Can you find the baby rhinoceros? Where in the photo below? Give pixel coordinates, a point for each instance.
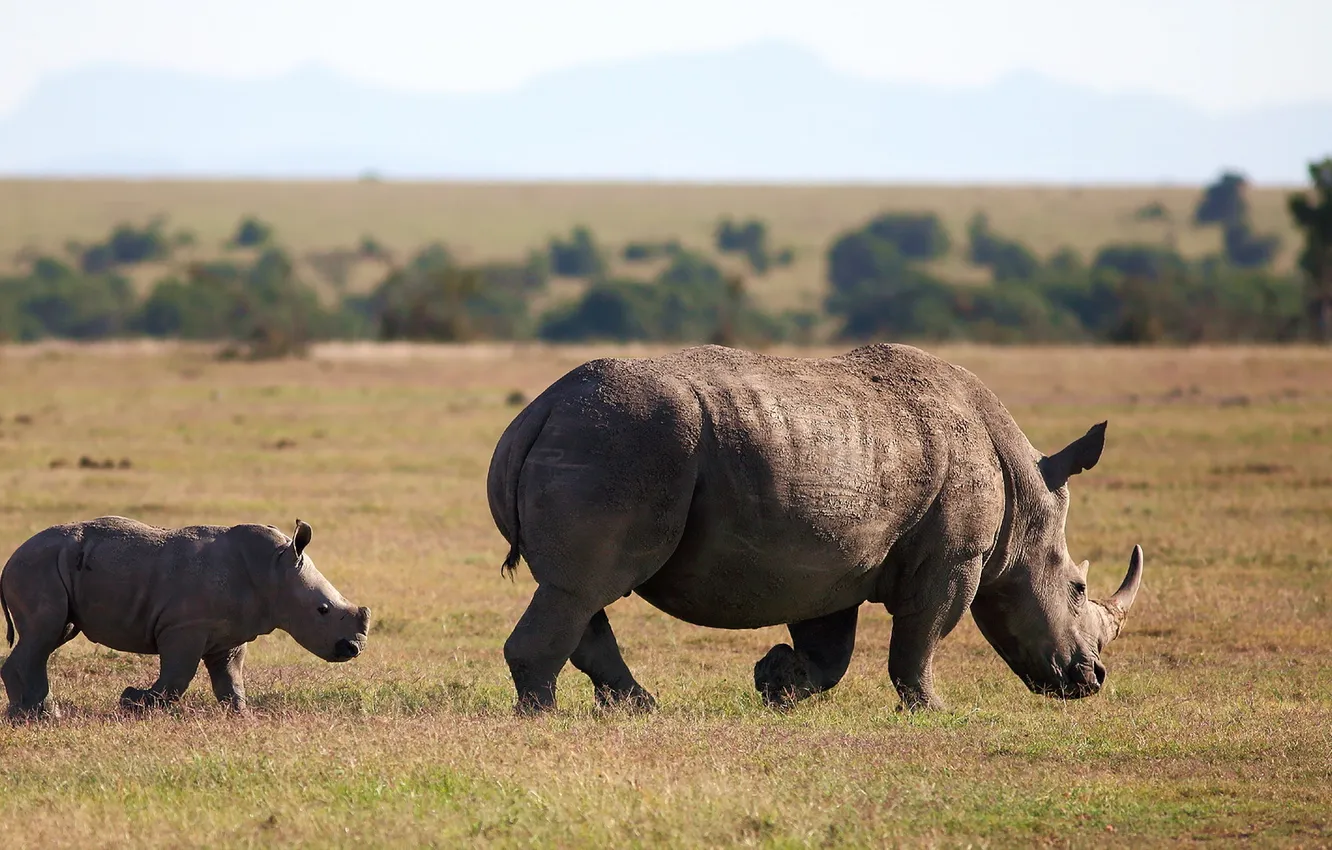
(201, 592)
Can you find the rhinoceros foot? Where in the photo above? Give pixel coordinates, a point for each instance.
(534, 704)
(138, 700)
(914, 701)
(45, 711)
(636, 699)
(782, 677)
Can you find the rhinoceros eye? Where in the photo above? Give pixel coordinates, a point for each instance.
(1079, 592)
(323, 609)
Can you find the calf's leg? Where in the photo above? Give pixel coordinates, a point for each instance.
(225, 669)
(816, 663)
(41, 618)
(180, 653)
(598, 655)
(27, 683)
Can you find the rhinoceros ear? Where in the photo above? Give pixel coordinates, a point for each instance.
(301, 538)
(1078, 456)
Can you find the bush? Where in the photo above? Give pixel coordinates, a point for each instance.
(640, 250)
(251, 233)
(1019, 313)
(436, 299)
(130, 245)
(578, 256)
(917, 236)
(614, 311)
(739, 238)
(1247, 250)
(1139, 260)
(688, 300)
(53, 300)
(860, 259)
(876, 290)
(1007, 259)
(127, 245)
(186, 310)
(751, 239)
(262, 307)
(1223, 201)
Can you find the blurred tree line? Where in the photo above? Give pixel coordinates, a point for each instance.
(879, 275)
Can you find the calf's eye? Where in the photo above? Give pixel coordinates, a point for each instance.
(323, 609)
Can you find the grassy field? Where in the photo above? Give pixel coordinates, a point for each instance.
(482, 221)
(1215, 725)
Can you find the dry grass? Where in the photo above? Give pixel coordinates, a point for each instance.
(484, 221)
(1216, 723)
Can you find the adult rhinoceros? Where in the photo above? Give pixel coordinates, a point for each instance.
(737, 490)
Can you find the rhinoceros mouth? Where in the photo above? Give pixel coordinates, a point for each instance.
(1086, 680)
(346, 650)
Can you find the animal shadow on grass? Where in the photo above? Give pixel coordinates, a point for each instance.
(106, 713)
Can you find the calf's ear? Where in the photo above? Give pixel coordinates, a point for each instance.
(301, 538)
(1078, 456)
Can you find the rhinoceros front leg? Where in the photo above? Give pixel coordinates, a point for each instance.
(917, 632)
(225, 669)
(598, 655)
(180, 654)
(816, 663)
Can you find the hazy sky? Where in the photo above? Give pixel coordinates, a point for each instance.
(1216, 54)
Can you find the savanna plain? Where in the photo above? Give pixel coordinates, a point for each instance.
(1215, 724)
(501, 221)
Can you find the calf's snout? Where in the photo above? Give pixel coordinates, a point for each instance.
(345, 650)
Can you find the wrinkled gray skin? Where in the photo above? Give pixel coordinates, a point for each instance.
(186, 594)
(736, 490)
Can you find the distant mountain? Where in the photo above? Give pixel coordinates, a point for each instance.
(761, 113)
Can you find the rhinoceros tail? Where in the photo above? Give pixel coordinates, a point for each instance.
(510, 564)
(506, 468)
(9, 621)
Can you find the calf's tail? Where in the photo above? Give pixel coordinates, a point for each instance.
(506, 468)
(9, 621)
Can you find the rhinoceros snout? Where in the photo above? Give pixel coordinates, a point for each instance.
(1086, 679)
(1082, 679)
(1099, 670)
(346, 650)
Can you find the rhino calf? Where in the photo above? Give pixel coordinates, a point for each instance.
(186, 594)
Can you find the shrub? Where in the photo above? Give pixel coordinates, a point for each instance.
(578, 256)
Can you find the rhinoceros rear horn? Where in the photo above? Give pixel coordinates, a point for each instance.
(1118, 605)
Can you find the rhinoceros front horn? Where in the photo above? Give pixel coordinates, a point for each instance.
(1117, 606)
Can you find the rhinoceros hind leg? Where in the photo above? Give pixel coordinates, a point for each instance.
(27, 682)
(816, 663)
(598, 655)
(546, 635)
(180, 655)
